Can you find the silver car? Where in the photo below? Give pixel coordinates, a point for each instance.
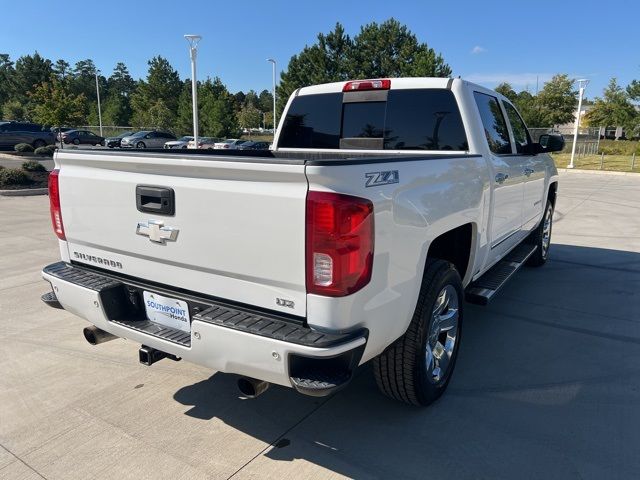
(230, 144)
(147, 139)
(179, 143)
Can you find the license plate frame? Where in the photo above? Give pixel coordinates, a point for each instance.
(167, 311)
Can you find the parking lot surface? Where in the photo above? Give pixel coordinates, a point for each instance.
(547, 383)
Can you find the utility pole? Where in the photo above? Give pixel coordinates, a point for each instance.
(582, 83)
(99, 109)
(193, 51)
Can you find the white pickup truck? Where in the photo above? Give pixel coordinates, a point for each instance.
(383, 205)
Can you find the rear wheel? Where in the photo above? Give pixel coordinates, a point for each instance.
(39, 143)
(541, 237)
(417, 367)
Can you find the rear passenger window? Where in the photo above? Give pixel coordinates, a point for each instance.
(520, 132)
(423, 120)
(495, 126)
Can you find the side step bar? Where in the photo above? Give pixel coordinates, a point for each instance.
(484, 288)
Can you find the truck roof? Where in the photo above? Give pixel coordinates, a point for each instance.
(396, 84)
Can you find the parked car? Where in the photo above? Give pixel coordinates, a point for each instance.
(360, 237)
(230, 144)
(81, 137)
(36, 135)
(182, 142)
(114, 142)
(147, 139)
(204, 143)
(250, 145)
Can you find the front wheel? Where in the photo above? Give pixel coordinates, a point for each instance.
(76, 141)
(140, 145)
(541, 237)
(417, 367)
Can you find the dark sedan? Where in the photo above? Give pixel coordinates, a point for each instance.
(78, 137)
(114, 142)
(254, 146)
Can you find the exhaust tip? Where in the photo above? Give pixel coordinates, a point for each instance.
(251, 387)
(95, 336)
(89, 335)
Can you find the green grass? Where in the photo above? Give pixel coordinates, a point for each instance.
(619, 163)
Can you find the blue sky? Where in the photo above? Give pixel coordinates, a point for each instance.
(483, 41)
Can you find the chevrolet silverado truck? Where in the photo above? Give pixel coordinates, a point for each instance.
(383, 206)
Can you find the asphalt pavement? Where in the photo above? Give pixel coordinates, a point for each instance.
(547, 383)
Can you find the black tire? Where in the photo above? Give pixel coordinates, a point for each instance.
(39, 143)
(140, 145)
(402, 371)
(537, 237)
(76, 141)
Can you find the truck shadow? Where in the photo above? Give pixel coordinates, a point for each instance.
(546, 372)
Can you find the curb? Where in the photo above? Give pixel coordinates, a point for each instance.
(595, 172)
(25, 192)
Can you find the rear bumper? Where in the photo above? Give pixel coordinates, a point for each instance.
(224, 337)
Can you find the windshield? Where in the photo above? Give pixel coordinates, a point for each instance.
(185, 139)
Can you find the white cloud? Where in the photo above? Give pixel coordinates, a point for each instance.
(478, 49)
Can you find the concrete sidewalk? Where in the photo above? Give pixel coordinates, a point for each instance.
(547, 383)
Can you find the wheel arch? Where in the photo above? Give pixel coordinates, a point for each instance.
(456, 246)
(552, 192)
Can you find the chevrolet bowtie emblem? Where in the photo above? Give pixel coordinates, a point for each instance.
(156, 231)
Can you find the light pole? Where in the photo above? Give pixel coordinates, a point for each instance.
(99, 109)
(275, 122)
(193, 50)
(582, 83)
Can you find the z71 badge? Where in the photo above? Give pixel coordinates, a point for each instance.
(375, 179)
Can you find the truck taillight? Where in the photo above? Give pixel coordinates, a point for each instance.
(360, 85)
(339, 243)
(54, 204)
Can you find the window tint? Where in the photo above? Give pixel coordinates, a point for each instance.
(363, 120)
(416, 119)
(520, 132)
(423, 119)
(313, 121)
(495, 126)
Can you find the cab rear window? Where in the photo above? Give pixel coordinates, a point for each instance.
(415, 119)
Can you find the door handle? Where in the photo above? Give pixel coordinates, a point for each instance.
(528, 171)
(501, 177)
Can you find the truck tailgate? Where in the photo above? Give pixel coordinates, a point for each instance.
(240, 225)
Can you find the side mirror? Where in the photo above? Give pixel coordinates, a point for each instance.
(148, 135)
(549, 142)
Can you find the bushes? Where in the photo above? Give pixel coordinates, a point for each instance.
(619, 147)
(13, 176)
(33, 166)
(23, 148)
(46, 151)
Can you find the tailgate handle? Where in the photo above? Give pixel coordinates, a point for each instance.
(153, 199)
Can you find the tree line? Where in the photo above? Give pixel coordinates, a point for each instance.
(36, 89)
(557, 104)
